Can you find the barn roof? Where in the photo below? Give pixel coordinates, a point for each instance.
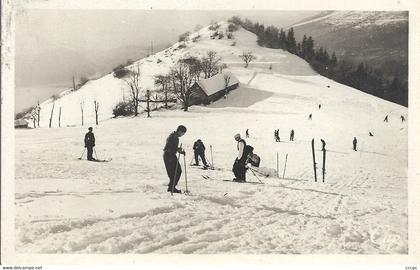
(21, 122)
(216, 83)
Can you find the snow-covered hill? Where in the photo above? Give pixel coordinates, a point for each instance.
(64, 205)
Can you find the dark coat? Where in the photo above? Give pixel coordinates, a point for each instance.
(171, 146)
(89, 139)
(199, 147)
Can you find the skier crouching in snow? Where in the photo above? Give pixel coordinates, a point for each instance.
(173, 168)
(199, 150)
(239, 169)
(89, 143)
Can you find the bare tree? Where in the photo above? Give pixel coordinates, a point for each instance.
(210, 64)
(74, 85)
(133, 81)
(148, 102)
(38, 112)
(82, 107)
(247, 57)
(34, 116)
(96, 110)
(59, 118)
(164, 81)
(226, 78)
(52, 112)
(183, 76)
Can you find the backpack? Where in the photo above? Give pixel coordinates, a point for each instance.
(248, 150)
(254, 159)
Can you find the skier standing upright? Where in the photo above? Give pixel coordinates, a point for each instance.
(247, 133)
(90, 143)
(386, 119)
(355, 144)
(402, 118)
(239, 169)
(292, 135)
(173, 168)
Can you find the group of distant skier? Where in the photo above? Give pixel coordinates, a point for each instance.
(277, 135)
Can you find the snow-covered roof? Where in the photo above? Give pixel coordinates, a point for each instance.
(20, 122)
(216, 83)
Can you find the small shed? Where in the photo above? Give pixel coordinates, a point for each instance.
(213, 88)
(21, 123)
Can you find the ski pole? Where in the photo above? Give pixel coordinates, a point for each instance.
(211, 154)
(256, 175)
(185, 174)
(285, 163)
(84, 149)
(176, 170)
(95, 153)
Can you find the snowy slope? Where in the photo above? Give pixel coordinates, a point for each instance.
(64, 205)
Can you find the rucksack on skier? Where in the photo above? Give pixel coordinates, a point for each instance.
(252, 158)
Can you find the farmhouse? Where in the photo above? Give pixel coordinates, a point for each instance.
(21, 123)
(212, 89)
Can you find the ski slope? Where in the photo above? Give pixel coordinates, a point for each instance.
(66, 205)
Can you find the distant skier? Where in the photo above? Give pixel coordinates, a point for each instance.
(355, 144)
(319, 106)
(199, 150)
(276, 135)
(90, 143)
(310, 117)
(402, 118)
(173, 168)
(292, 135)
(370, 134)
(247, 133)
(386, 119)
(238, 168)
(323, 145)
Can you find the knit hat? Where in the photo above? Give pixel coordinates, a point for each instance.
(237, 136)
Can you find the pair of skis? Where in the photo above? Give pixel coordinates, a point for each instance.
(323, 159)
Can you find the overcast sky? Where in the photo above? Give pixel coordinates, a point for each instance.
(87, 30)
(52, 45)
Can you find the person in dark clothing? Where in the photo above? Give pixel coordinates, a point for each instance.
(310, 117)
(199, 150)
(319, 106)
(292, 135)
(402, 118)
(90, 143)
(275, 135)
(370, 134)
(247, 133)
(355, 144)
(173, 168)
(239, 169)
(386, 119)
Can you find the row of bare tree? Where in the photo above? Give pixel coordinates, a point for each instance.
(36, 114)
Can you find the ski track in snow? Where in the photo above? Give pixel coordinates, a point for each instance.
(66, 205)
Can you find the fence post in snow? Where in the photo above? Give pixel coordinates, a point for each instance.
(285, 164)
